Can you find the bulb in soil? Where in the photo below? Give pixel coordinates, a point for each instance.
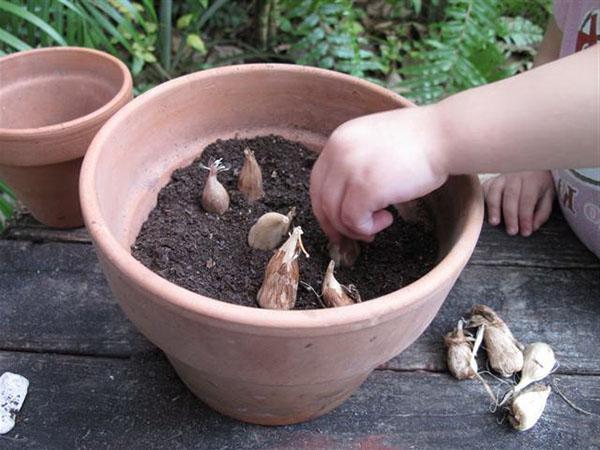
(250, 180)
(269, 229)
(504, 351)
(334, 294)
(460, 359)
(280, 285)
(345, 253)
(527, 407)
(538, 362)
(215, 198)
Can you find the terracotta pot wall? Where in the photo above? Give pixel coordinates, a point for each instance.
(52, 103)
(263, 366)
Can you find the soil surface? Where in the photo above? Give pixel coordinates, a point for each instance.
(209, 254)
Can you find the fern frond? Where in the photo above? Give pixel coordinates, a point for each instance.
(520, 33)
(464, 49)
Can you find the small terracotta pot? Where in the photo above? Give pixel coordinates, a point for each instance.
(52, 103)
(262, 366)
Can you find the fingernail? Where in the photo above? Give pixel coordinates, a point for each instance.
(511, 230)
(494, 220)
(526, 233)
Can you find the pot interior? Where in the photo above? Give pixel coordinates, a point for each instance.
(42, 88)
(168, 127)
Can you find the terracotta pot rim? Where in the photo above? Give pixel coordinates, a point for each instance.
(372, 311)
(95, 116)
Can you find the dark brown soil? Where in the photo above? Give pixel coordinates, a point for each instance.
(209, 254)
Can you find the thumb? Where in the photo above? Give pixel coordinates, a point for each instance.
(360, 218)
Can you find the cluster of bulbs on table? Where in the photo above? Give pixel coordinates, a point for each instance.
(526, 400)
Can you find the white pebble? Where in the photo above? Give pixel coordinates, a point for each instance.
(13, 390)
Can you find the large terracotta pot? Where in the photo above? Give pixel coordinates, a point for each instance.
(52, 103)
(261, 366)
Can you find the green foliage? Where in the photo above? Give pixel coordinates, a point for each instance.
(327, 34)
(519, 39)
(124, 28)
(7, 204)
(535, 11)
(127, 30)
(426, 50)
(472, 46)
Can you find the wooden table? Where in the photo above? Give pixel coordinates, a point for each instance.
(97, 383)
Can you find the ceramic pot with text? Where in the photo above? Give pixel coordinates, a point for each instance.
(52, 103)
(262, 366)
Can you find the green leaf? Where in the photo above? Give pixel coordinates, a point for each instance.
(316, 35)
(330, 9)
(4, 189)
(196, 42)
(184, 21)
(33, 19)
(6, 207)
(327, 63)
(149, 57)
(132, 10)
(122, 22)
(417, 6)
(343, 52)
(137, 66)
(149, 8)
(311, 20)
(285, 25)
(108, 26)
(521, 32)
(13, 41)
(91, 31)
(151, 27)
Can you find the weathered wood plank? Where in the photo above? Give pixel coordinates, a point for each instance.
(35, 234)
(552, 246)
(79, 402)
(24, 227)
(54, 298)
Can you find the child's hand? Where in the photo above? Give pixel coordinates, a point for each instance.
(372, 162)
(525, 199)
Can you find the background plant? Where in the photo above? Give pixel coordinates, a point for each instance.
(141, 33)
(425, 50)
(7, 204)
(327, 34)
(474, 44)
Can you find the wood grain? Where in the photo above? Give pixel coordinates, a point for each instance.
(80, 402)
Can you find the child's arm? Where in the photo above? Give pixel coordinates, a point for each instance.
(524, 199)
(542, 119)
(545, 118)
